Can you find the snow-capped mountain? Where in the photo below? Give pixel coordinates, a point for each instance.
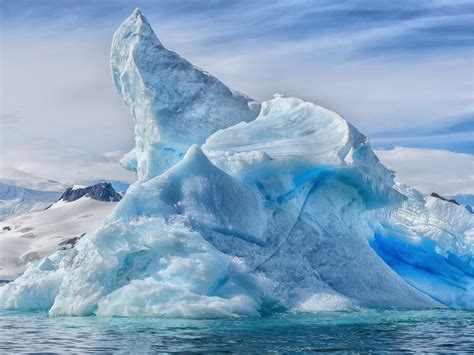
(239, 214)
(35, 235)
(101, 192)
(15, 200)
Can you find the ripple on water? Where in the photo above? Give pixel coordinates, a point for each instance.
(430, 331)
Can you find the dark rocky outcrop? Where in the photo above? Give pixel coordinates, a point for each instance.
(100, 192)
(70, 243)
(434, 194)
(32, 256)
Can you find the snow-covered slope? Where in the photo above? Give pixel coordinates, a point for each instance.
(15, 200)
(292, 210)
(32, 236)
(173, 103)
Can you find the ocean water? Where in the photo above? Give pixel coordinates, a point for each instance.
(365, 330)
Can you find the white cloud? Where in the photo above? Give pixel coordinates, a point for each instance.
(58, 94)
(428, 170)
(59, 83)
(54, 170)
(431, 170)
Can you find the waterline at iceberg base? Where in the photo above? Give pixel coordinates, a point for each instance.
(244, 208)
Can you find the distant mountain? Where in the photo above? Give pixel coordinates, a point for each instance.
(31, 236)
(11, 176)
(101, 192)
(38, 223)
(15, 200)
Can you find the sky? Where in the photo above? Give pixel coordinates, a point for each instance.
(401, 71)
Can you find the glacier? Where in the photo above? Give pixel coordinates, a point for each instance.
(245, 209)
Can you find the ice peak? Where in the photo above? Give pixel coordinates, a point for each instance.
(196, 161)
(138, 17)
(194, 152)
(173, 103)
(137, 25)
(137, 13)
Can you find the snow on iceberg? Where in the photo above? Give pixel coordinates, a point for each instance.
(290, 210)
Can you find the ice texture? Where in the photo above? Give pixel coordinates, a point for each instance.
(289, 211)
(430, 243)
(173, 103)
(148, 259)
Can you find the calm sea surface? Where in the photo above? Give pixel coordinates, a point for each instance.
(429, 331)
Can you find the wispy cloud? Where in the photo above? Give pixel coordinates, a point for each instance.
(401, 71)
(9, 120)
(382, 64)
(50, 169)
(453, 133)
(432, 170)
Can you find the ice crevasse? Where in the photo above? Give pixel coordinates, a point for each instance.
(246, 208)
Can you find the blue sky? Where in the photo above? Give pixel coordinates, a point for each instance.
(400, 71)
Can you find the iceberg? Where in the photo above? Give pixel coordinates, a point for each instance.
(245, 209)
